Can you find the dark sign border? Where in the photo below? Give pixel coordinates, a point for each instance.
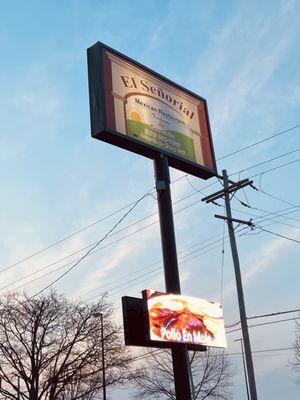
(99, 109)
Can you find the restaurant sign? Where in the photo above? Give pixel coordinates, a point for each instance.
(183, 319)
(137, 109)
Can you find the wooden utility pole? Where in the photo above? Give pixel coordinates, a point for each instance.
(232, 188)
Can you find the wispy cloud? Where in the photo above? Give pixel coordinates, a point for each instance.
(241, 60)
(264, 258)
(122, 253)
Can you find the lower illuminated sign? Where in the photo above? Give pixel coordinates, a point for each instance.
(184, 319)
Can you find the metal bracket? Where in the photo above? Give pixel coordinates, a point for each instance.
(160, 185)
(239, 221)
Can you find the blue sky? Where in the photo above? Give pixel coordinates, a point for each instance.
(243, 57)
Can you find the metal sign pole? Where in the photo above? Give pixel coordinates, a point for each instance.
(238, 278)
(179, 355)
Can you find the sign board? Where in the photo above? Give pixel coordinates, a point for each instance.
(184, 319)
(137, 109)
(135, 323)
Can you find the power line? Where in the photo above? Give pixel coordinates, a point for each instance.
(158, 351)
(265, 323)
(277, 215)
(143, 219)
(156, 269)
(271, 195)
(259, 142)
(274, 168)
(280, 213)
(97, 244)
(267, 350)
(130, 286)
(91, 244)
(65, 265)
(66, 238)
(278, 234)
(274, 322)
(265, 162)
(93, 252)
(274, 314)
(130, 204)
(120, 230)
(101, 248)
(282, 223)
(144, 268)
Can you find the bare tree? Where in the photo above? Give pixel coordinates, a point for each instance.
(50, 348)
(295, 363)
(210, 370)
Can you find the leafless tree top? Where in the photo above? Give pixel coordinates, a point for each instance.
(50, 348)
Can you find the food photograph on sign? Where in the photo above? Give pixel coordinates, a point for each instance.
(152, 111)
(184, 319)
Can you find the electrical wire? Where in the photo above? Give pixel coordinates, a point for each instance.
(131, 286)
(159, 351)
(120, 230)
(70, 263)
(265, 323)
(270, 213)
(65, 238)
(271, 195)
(265, 162)
(278, 234)
(155, 270)
(91, 252)
(259, 142)
(128, 205)
(96, 245)
(275, 168)
(114, 242)
(273, 314)
(203, 188)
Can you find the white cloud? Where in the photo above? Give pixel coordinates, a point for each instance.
(243, 57)
(260, 260)
(122, 253)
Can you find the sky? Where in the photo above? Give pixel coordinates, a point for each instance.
(243, 57)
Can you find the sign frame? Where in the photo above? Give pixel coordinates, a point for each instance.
(101, 110)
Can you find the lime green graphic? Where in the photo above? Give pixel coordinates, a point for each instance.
(174, 142)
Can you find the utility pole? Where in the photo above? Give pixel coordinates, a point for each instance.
(244, 365)
(179, 355)
(193, 392)
(211, 198)
(19, 388)
(100, 315)
(103, 358)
